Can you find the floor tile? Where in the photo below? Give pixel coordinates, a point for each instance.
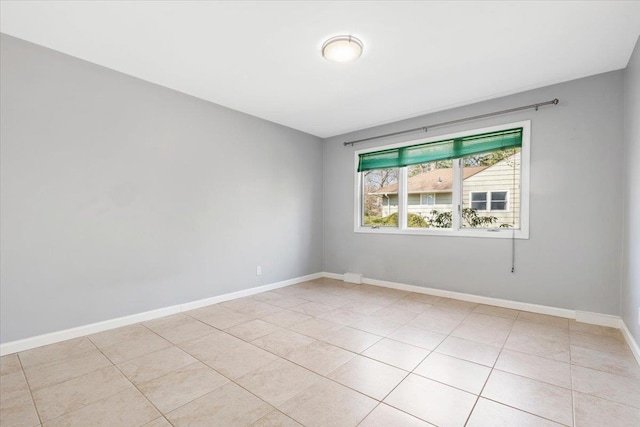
(595, 330)
(326, 403)
(315, 327)
(549, 346)
(54, 352)
(159, 422)
(122, 351)
(386, 416)
(376, 325)
(240, 360)
(16, 406)
(48, 374)
(282, 342)
(469, 350)
(458, 373)
(370, 377)
(535, 367)
(396, 353)
(542, 399)
(396, 314)
(320, 357)
(361, 307)
(207, 347)
(599, 343)
(253, 308)
(9, 364)
(221, 319)
(619, 363)
(592, 411)
(279, 300)
(488, 413)
(226, 406)
(462, 306)
(278, 381)
(18, 414)
(252, 330)
(71, 395)
(125, 409)
(118, 335)
(286, 318)
(485, 329)
(492, 310)
(342, 317)
(431, 401)
(438, 319)
(276, 419)
(535, 329)
(181, 386)
(543, 319)
(154, 365)
(418, 337)
(424, 298)
(411, 305)
(620, 389)
(352, 339)
(187, 331)
(312, 308)
(14, 386)
(326, 299)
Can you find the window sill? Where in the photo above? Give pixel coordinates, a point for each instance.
(485, 233)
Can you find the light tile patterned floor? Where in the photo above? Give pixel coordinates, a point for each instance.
(328, 353)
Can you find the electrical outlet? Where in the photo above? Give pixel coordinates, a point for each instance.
(259, 270)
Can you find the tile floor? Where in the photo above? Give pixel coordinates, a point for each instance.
(328, 353)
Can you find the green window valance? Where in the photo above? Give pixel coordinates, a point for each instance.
(441, 150)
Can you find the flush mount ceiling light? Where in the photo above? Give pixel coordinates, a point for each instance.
(342, 49)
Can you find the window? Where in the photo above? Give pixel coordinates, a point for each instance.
(463, 184)
(428, 199)
(489, 201)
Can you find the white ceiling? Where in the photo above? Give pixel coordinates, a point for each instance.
(263, 58)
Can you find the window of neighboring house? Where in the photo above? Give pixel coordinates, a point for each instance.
(428, 199)
(474, 181)
(488, 200)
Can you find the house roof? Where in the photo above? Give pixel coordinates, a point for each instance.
(434, 181)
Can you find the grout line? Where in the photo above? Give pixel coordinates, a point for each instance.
(26, 380)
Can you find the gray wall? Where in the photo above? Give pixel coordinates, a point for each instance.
(573, 257)
(120, 196)
(630, 295)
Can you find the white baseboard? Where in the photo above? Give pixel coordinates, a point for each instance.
(333, 275)
(633, 345)
(54, 337)
(580, 316)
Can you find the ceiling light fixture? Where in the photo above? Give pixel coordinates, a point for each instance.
(342, 49)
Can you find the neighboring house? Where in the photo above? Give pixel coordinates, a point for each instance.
(488, 189)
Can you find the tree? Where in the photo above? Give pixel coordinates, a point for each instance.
(470, 218)
(374, 180)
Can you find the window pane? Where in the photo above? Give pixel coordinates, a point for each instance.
(428, 199)
(491, 190)
(433, 182)
(380, 198)
(498, 196)
(481, 206)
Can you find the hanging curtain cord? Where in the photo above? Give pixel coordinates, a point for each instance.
(451, 122)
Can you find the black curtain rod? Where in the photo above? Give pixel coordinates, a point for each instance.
(466, 119)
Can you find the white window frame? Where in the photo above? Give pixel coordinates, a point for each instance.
(489, 194)
(456, 229)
